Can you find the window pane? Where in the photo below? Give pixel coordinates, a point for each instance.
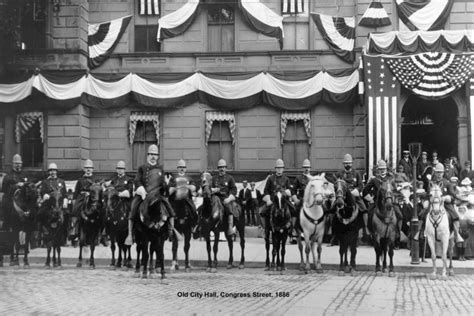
(295, 144)
(32, 147)
(145, 38)
(220, 27)
(227, 38)
(220, 131)
(289, 155)
(214, 38)
(145, 135)
(220, 145)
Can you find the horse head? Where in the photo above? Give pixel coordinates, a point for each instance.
(54, 208)
(93, 201)
(25, 198)
(317, 191)
(280, 210)
(111, 199)
(436, 197)
(345, 202)
(206, 182)
(212, 207)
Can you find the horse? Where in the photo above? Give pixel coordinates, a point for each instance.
(186, 217)
(116, 225)
(51, 220)
(280, 222)
(25, 207)
(312, 217)
(437, 228)
(211, 218)
(384, 226)
(91, 219)
(152, 231)
(346, 225)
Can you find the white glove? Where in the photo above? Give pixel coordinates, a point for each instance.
(287, 192)
(65, 203)
(369, 198)
(215, 190)
(124, 194)
(428, 176)
(20, 184)
(167, 178)
(45, 197)
(141, 191)
(172, 190)
(295, 199)
(191, 187)
(267, 200)
(355, 192)
(229, 199)
(447, 199)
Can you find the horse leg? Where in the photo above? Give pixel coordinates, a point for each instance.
(187, 245)
(444, 258)
(120, 248)
(300, 248)
(308, 248)
(230, 244)
(26, 263)
(432, 245)
(209, 258)
(384, 253)
(391, 272)
(79, 262)
(161, 256)
(58, 249)
(138, 251)
(450, 251)
(319, 267)
(145, 257)
(53, 246)
(274, 249)
(112, 248)
(91, 261)
(283, 252)
(277, 248)
(242, 245)
(48, 256)
(267, 249)
(174, 249)
(353, 254)
(215, 248)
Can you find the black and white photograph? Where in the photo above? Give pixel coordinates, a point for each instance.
(236, 157)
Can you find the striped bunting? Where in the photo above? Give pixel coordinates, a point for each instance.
(103, 38)
(292, 6)
(471, 111)
(339, 33)
(382, 96)
(177, 22)
(424, 15)
(375, 16)
(432, 75)
(149, 7)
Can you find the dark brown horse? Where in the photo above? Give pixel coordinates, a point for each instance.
(384, 226)
(51, 220)
(280, 223)
(346, 224)
(211, 214)
(25, 208)
(91, 222)
(116, 224)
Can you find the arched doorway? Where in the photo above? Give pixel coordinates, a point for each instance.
(434, 123)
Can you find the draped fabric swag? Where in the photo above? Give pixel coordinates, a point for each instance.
(136, 117)
(299, 92)
(26, 120)
(296, 116)
(212, 116)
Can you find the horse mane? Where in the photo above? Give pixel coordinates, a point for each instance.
(380, 199)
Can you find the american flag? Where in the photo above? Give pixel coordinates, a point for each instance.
(149, 7)
(382, 93)
(432, 75)
(292, 6)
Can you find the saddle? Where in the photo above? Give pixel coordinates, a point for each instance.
(155, 220)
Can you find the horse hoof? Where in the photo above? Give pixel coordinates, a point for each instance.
(187, 269)
(241, 266)
(432, 276)
(391, 274)
(112, 267)
(378, 273)
(319, 271)
(144, 276)
(341, 273)
(451, 273)
(353, 272)
(444, 277)
(79, 265)
(347, 270)
(267, 268)
(59, 267)
(47, 266)
(213, 270)
(230, 266)
(306, 271)
(282, 272)
(124, 268)
(208, 269)
(92, 267)
(385, 270)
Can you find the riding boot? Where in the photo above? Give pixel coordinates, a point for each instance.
(230, 221)
(365, 217)
(460, 250)
(171, 228)
(457, 236)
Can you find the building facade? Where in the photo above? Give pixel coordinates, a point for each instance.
(219, 49)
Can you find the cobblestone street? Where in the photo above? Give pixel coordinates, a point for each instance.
(101, 291)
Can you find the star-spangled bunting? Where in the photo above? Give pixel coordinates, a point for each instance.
(432, 75)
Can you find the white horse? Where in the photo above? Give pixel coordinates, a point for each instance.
(312, 219)
(437, 229)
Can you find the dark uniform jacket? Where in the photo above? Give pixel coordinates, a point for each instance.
(299, 185)
(407, 167)
(83, 184)
(276, 183)
(9, 186)
(421, 167)
(353, 179)
(374, 184)
(50, 185)
(226, 184)
(144, 178)
(123, 183)
(448, 189)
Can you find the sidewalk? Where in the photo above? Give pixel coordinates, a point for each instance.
(255, 257)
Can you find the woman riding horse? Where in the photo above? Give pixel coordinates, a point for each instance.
(346, 224)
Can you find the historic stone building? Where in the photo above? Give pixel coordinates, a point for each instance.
(219, 89)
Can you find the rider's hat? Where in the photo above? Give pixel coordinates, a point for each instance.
(121, 164)
(17, 158)
(454, 179)
(466, 182)
(52, 166)
(467, 163)
(221, 163)
(406, 152)
(347, 158)
(181, 163)
(381, 164)
(153, 149)
(279, 164)
(439, 167)
(88, 164)
(424, 153)
(306, 163)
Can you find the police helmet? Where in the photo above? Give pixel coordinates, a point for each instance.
(17, 159)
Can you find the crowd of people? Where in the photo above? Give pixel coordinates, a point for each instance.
(455, 181)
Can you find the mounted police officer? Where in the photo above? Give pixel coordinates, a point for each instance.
(299, 185)
(144, 185)
(83, 185)
(54, 184)
(354, 183)
(449, 196)
(372, 187)
(122, 183)
(277, 182)
(181, 190)
(14, 179)
(223, 185)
